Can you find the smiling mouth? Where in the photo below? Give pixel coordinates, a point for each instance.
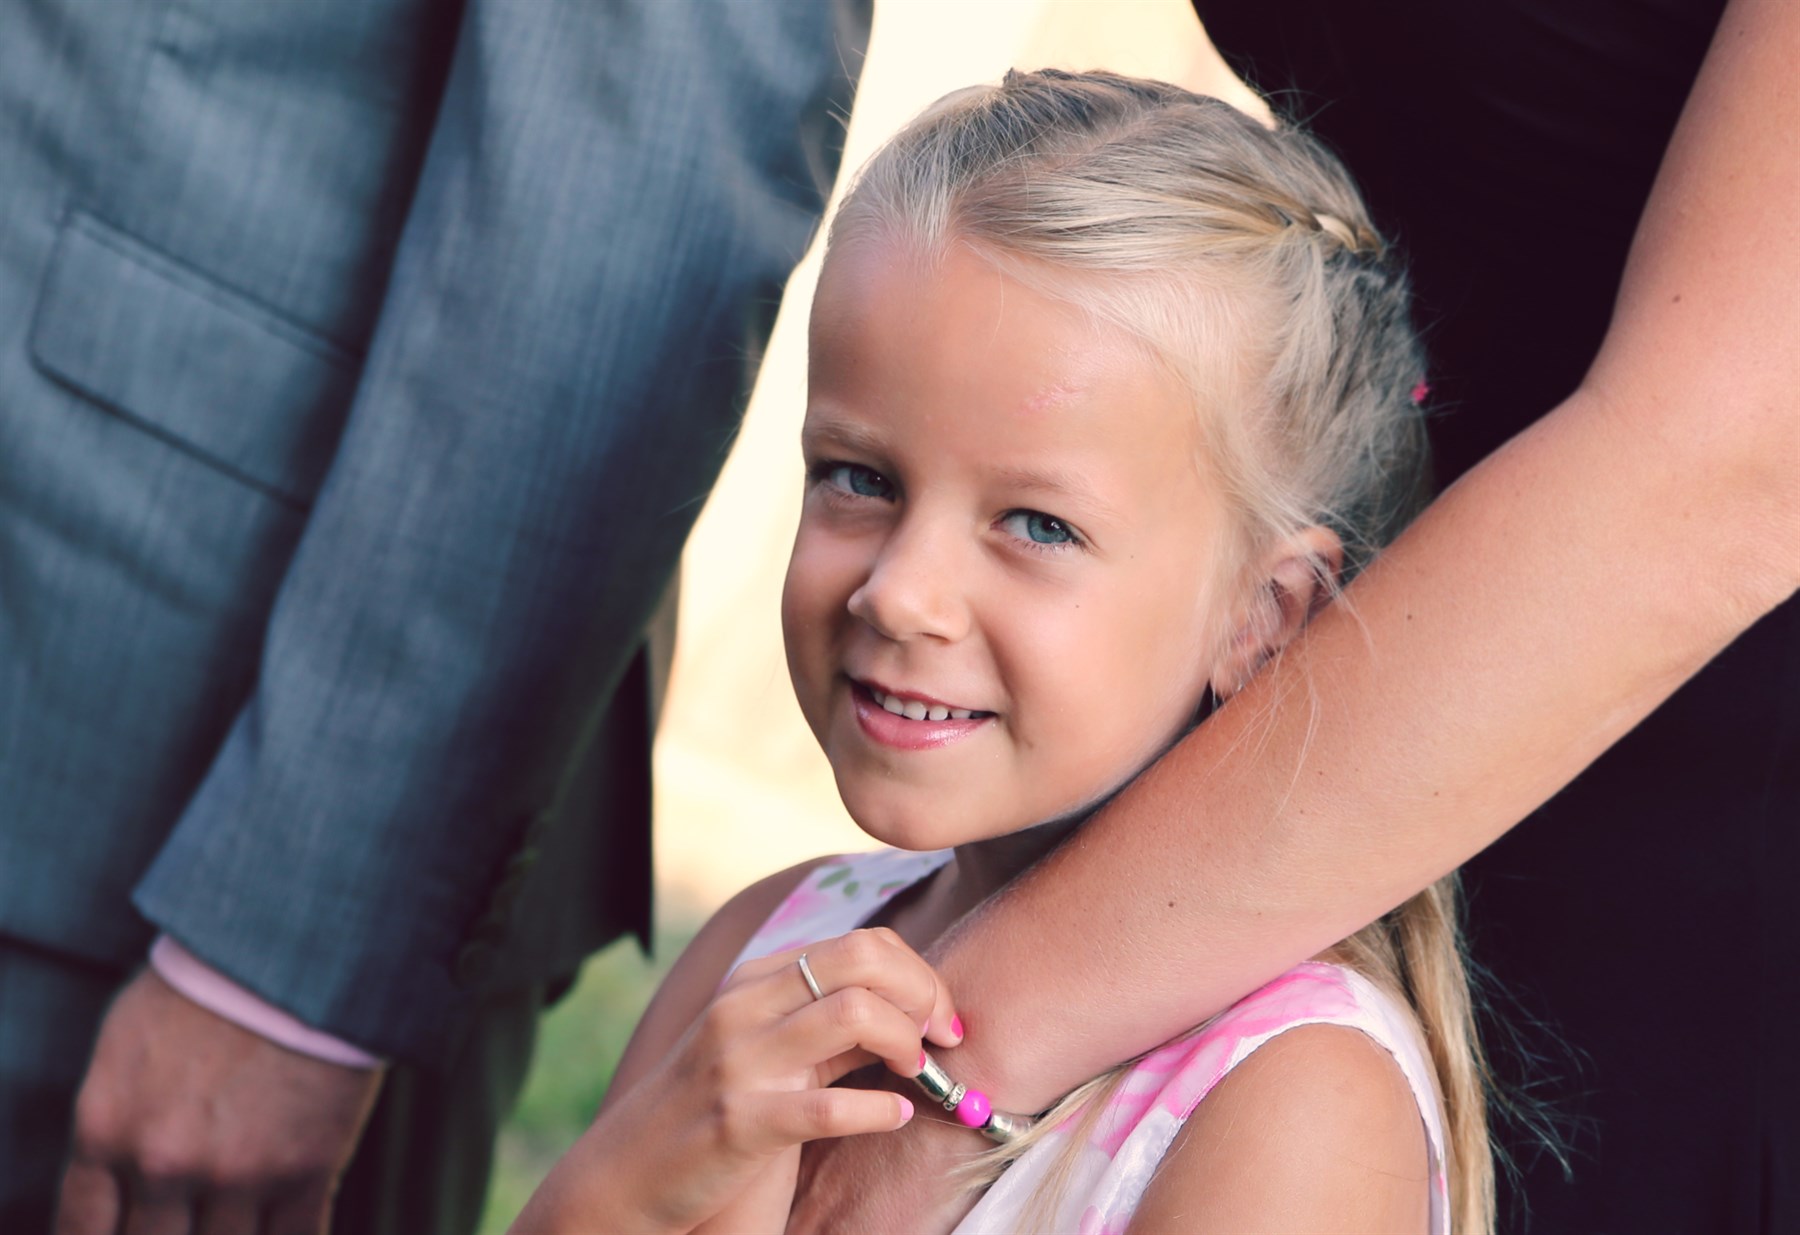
(918, 709)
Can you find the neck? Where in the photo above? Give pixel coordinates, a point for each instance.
(977, 871)
(984, 867)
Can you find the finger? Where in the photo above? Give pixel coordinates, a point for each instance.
(839, 1066)
(853, 1019)
(881, 961)
(758, 968)
(945, 1027)
(307, 1213)
(90, 1200)
(158, 1209)
(818, 1114)
(233, 1212)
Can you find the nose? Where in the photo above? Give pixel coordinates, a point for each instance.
(914, 589)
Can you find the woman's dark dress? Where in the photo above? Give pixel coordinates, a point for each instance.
(1650, 914)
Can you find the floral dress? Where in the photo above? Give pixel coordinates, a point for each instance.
(1126, 1142)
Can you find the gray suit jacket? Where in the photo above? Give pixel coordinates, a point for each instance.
(363, 364)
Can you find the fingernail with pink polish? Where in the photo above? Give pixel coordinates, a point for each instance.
(906, 1110)
(956, 1030)
(921, 1061)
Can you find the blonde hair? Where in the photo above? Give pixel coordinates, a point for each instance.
(1244, 260)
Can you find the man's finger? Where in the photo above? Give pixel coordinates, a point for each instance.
(90, 1202)
(158, 1209)
(304, 1213)
(228, 1213)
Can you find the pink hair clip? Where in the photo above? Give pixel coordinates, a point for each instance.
(1421, 391)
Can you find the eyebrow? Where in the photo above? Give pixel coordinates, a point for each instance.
(820, 429)
(1058, 482)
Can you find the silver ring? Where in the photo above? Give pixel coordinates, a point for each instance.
(812, 983)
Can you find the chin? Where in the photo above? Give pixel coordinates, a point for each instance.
(910, 826)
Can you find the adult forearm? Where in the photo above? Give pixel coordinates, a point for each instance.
(1535, 614)
(1539, 610)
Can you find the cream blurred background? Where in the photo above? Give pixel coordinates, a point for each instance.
(741, 789)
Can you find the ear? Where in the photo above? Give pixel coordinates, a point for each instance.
(1293, 581)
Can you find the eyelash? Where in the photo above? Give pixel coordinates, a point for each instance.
(1074, 541)
(819, 475)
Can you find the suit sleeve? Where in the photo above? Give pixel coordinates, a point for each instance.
(613, 198)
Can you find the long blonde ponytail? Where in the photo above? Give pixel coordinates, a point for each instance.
(1416, 952)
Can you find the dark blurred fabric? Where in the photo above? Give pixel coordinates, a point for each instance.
(1641, 927)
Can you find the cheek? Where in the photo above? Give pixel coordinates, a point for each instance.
(1146, 681)
(799, 613)
(1063, 662)
(822, 573)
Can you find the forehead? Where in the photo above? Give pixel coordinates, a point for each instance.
(894, 328)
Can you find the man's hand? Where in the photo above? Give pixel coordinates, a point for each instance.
(187, 1123)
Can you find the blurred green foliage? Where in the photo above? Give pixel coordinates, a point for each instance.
(579, 1044)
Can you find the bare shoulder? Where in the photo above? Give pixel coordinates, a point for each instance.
(1316, 1131)
(728, 930)
(702, 966)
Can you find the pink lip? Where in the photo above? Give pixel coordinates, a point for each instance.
(903, 734)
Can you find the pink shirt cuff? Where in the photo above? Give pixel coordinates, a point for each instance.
(218, 994)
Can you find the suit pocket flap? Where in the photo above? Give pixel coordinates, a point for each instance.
(191, 360)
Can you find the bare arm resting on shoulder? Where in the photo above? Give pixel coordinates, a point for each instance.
(1541, 608)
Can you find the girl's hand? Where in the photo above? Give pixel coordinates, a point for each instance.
(749, 1080)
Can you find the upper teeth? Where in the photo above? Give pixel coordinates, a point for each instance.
(912, 709)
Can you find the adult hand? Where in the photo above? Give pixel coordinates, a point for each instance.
(189, 1123)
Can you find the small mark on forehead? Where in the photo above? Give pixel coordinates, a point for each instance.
(1049, 398)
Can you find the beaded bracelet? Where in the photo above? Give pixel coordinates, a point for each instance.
(970, 1106)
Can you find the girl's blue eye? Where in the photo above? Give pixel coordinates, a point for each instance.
(1040, 528)
(857, 479)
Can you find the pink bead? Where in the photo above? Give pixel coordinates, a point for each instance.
(974, 1109)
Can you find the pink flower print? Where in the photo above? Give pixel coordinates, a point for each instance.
(804, 900)
(1148, 1082)
(1176, 1077)
(1306, 993)
(1310, 991)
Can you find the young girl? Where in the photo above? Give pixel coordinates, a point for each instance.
(1110, 388)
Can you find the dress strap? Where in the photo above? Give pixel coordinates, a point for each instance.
(839, 895)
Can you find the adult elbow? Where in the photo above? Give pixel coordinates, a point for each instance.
(1730, 471)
